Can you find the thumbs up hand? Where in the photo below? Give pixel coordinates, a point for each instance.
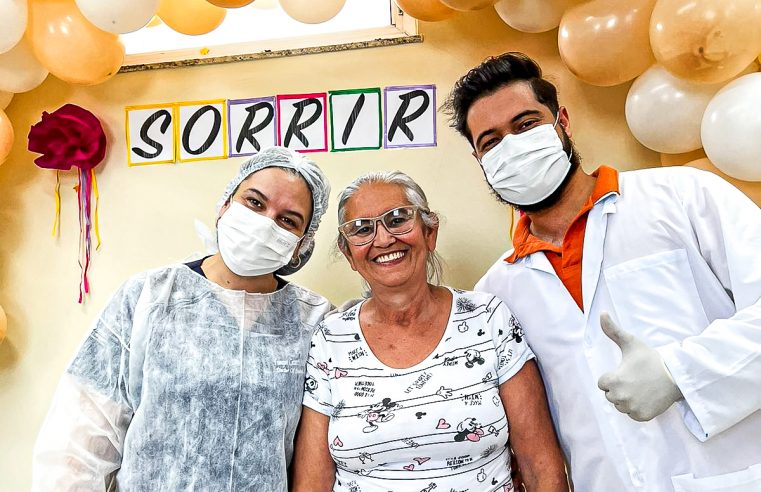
(641, 386)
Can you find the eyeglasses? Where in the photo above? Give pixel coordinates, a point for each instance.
(362, 230)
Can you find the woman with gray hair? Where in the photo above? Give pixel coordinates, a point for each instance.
(192, 375)
(413, 388)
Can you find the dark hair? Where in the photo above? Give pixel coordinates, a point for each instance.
(492, 74)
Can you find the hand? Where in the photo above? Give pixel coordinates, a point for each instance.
(641, 386)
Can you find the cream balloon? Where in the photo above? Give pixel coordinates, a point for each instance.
(118, 16)
(426, 10)
(3, 324)
(468, 4)
(192, 17)
(6, 136)
(312, 11)
(69, 46)
(5, 99)
(709, 41)
(533, 15)
(731, 128)
(606, 43)
(750, 188)
(20, 71)
(665, 112)
(14, 15)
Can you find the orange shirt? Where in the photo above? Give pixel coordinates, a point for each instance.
(566, 260)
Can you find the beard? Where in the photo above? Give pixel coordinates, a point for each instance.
(570, 149)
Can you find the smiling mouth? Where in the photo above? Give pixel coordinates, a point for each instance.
(388, 258)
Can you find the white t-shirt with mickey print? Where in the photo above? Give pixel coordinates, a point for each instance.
(438, 425)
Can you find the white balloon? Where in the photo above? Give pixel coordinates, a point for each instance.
(731, 128)
(13, 17)
(533, 15)
(664, 112)
(312, 11)
(118, 16)
(19, 69)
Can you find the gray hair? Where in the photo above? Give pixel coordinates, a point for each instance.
(416, 197)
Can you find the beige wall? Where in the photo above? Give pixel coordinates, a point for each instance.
(146, 214)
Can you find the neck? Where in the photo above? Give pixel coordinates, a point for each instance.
(403, 307)
(215, 270)
(551, 224)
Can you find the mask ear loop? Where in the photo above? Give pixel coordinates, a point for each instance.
(557, 119)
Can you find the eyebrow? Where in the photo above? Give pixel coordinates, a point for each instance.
(519, 116)
(264, 198)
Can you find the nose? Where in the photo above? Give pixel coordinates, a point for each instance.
(383, 238)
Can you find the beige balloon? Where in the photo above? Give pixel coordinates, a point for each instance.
(533, 15)
(606, 43)
(709, 41)
(751, 188)
(5, 99)
(466, 5)
(6, 136)
(312, 11)
(191, 17)
(20, 71)
(69, 46)
(426, 10)
(3, 324)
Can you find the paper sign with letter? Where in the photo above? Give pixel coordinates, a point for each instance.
(303, 122)
(150, 134)
(356, 120)
(253, 125)
(201, 130)
(410, 116)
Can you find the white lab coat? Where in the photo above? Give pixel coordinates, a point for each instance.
(676, 260)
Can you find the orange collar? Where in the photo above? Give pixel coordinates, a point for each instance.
(526, 243)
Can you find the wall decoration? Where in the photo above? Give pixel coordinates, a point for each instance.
(303, 122)
(252, 125)
(410, 116)
(73, 136)
(150, 134)
(201, 130)
(356, 120)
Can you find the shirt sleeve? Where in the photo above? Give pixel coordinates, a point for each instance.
(511, 348)
(719, 369)
(81, 439)
(317, 393)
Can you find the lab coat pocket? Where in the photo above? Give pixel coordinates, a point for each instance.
(748, 480)
(655, 297)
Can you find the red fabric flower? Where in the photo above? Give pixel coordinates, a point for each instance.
(69, 136)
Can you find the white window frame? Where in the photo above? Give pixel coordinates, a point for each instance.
(403, 30)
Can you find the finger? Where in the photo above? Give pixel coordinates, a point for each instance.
(605, 382)
(620, 337)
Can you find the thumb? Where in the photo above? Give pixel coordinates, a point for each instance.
(620, 337)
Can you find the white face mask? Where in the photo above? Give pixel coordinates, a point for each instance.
(252, 244)
(527, 167)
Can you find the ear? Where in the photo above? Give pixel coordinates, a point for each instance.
(431, 236)
(564, 121)
(223, 209)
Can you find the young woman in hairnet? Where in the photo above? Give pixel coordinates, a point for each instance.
(192, 376)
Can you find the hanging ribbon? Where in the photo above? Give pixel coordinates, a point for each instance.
(57, 219)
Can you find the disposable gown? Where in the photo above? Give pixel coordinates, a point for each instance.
(181, 385)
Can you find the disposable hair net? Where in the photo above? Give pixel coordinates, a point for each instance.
(314, 177)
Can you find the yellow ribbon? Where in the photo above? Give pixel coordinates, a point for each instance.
(95, 190)
(57, 203)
